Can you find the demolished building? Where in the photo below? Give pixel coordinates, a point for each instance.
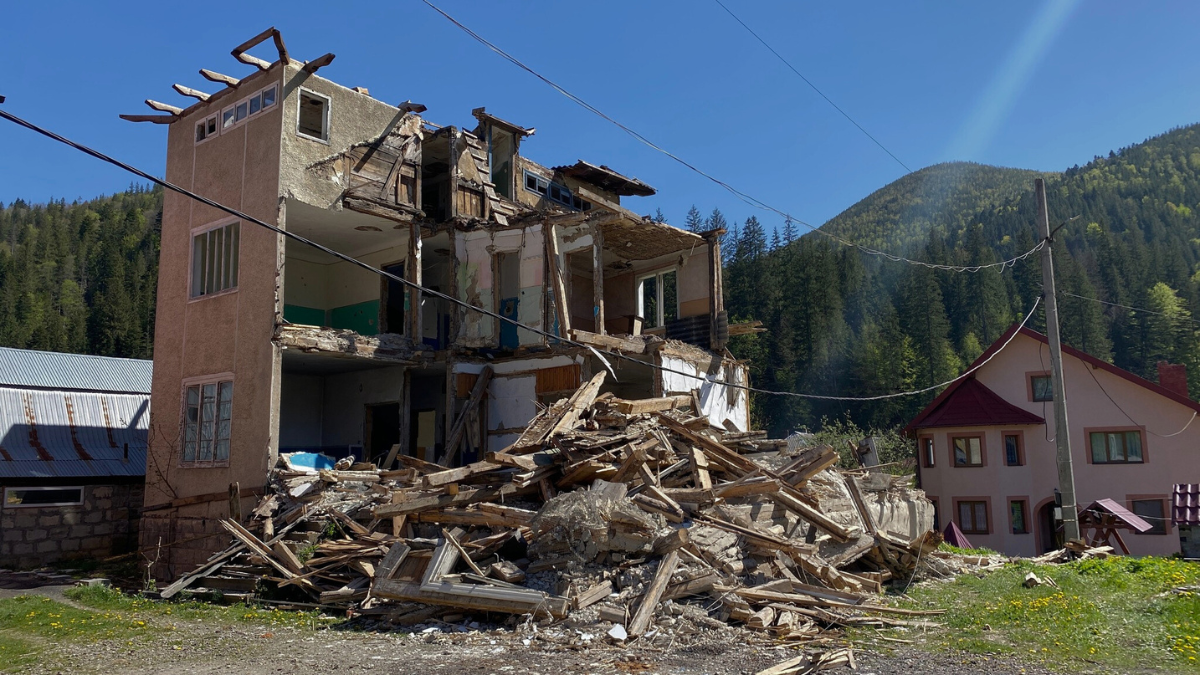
(265, 345)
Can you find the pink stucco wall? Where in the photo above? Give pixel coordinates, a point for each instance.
(1167, 460)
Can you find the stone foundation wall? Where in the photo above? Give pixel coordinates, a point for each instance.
(106, 524)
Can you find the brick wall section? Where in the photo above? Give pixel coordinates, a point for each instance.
(177, 544)
(106, 524)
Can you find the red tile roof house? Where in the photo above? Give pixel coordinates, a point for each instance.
(986, 449)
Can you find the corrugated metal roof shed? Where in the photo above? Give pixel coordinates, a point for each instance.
(71, 434)
(1185, 504)
(73, 372)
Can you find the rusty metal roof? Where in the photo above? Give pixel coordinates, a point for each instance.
(72, 434)
(1185, 504)
(75, 372)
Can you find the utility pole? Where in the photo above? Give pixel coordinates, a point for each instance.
(1062, 435)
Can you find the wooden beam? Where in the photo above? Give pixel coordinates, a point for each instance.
(163, 107)
(580, 401)
(460, 425)
(239, 52)
(318, 63)
(188, 91)
(155, 119)
(414, 273)
(654, 592)
(475, 596)
(598, 277)
(556, 279)
(213, 76)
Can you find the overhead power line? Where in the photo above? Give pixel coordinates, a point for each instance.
(461, 303)
(1132, 309)
(748, 199)
(812, 86)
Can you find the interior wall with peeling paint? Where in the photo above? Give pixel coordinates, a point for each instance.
(718, 402)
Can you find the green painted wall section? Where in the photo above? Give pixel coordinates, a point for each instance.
(304, 315)
(362, 318)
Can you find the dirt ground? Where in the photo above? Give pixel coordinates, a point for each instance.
(204, 647)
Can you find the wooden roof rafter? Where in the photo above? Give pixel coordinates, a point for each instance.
(213, 76)
(188, 91)
(239, 52)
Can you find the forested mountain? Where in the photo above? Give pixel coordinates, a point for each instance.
(81, 277)
(901, 213)
(847, 324)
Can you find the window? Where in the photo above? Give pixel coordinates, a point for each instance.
(313, 121)
(1042, 387)
(1018, 516)
(1014, 450)
(239, 112)
(1153, 511)
(207, 412)
(973, 517)
(1116, 447)
(42, 496)
(206, 128)
(968, 450)
(928, 456)
(268, 97)
(555, 192)
(215, 260)
(658, 299)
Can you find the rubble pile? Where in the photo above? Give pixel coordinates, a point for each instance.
(634, 513)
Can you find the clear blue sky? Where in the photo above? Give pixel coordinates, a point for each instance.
(1030, 84)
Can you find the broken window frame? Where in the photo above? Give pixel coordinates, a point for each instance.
(208, 128)
(204, 241)
(554, 192)
(206, 424)
(660, 318)
(324, 137)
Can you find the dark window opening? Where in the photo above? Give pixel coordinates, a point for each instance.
(395, 302)
(1043, 388)
(1016, 511)
(314, 117)
(1152, 511)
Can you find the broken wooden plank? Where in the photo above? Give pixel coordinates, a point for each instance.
(593, 595)
(654, 592)
(477, 597)
(460, 424)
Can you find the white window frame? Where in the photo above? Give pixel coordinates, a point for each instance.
(43, 489)
(199, 383)
(215, 118)
(232, 108)
(324, 120)
(660, 320)
(203, 229)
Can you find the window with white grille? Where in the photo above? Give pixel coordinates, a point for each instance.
(215, 260)
(208, 409)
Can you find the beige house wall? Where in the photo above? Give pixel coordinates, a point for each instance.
(225, 334)
(1169, 460)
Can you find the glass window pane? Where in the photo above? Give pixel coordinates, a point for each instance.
(981, 516)
(964, 516)
(200, 131)
(1018, 516)
(210, 276)
(227, 119)
(1012, 454)
(1133, 445)
(976, 454)
(1151, 510)
(670, 297)
(199, 260)
(208, 409)
(212, 126)
(190, 422)
(1116, 447)
(233, 261)
(268, 97)
(255, 104)
(1043, 388)
(650, 302)
(1099, 454)
(241, 111)
(960, 451)
(221, 453)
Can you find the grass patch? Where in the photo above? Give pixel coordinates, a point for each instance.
(1118, 613)
(111, 600)
(965, 551)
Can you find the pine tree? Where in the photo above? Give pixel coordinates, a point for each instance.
(694, 221)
